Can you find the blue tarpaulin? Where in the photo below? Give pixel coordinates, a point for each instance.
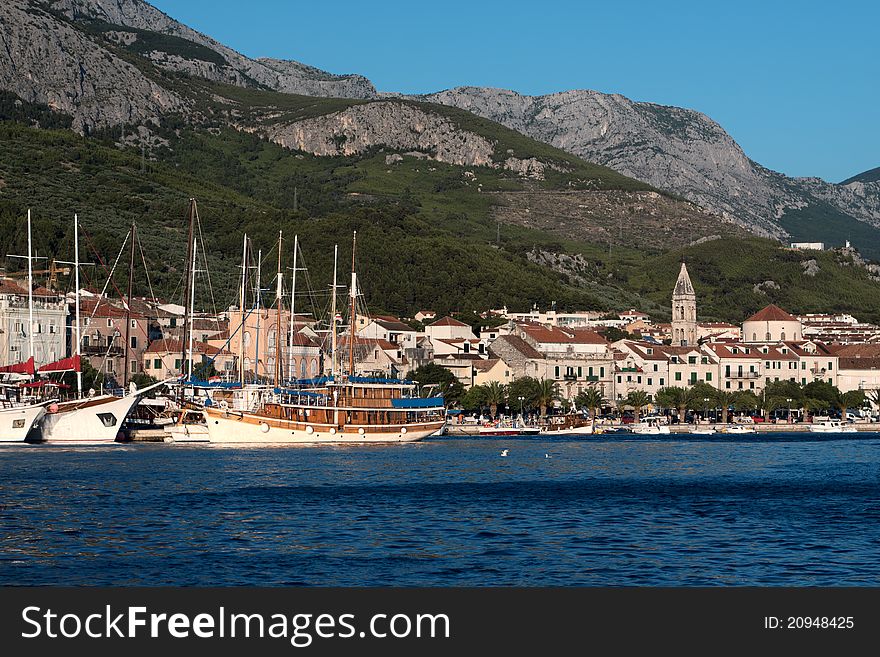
(417, 402)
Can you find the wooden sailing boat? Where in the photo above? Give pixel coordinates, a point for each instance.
(341, 408)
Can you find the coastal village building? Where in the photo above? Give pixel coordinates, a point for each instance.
(684, 310)
(163, 359)
(49, 324)
(390, 329)
(858, 366)
(574, 358)
(449, 328)
(491, 369)
(772, 324)
(103, 330)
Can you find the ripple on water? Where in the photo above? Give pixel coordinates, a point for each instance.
(447, 512)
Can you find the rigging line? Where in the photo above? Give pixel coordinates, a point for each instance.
(207, 272)
(145, 331)
(110, 275)
(146, 271)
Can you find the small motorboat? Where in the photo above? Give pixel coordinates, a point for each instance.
(738, 429)
(832, 426)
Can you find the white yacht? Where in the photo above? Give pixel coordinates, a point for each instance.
(18, 420)
(831, 426)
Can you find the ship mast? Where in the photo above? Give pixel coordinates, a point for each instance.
(126, 364)
(352, 315)
(192, 309)
(279, 291)
(242, 299)
(258, 292)
(189, 268)
(79, 376)
(333, 314)
(30, 290)
(290, 369)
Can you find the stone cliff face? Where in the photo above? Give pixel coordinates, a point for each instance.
(675, 149)
(284, 76)
(44, 60)
(397, 126)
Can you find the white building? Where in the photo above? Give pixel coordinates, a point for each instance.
(48, 334)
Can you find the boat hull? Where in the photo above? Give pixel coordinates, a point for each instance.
(90, 421)
(17, 422)
(573, 431)
(236, 427)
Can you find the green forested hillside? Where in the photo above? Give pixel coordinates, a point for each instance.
(426, 238)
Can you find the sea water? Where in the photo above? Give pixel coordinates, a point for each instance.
(643, 511)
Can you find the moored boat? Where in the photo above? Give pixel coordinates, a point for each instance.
(347, 410)
(739, 429)
(831, 426)
(18, 421)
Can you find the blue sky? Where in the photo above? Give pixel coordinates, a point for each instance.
(795, 83)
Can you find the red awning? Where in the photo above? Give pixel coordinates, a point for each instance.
(71, 364)
(26, 367)
(43, 384)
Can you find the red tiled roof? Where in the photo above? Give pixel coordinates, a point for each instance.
(486, 365)
(92, 307)
(771, 313)
(857, 350)
(518, 344)
(858, 364)
(555, 335)
(448, 321)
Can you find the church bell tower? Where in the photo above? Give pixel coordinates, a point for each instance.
(684, 311)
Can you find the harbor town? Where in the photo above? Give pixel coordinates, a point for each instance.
(499, 372)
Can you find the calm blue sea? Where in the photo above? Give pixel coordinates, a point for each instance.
(773, 510)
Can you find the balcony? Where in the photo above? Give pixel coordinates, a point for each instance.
(742, 375)
(101, 350)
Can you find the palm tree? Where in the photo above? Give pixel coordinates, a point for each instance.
(850, 399)
(873, 396)
(638, 399)
(810, 404)
(496, 393)
(725, 400)
(621, 405)
(745, 400)
(592, 399)
(548, 392)
(675, 397)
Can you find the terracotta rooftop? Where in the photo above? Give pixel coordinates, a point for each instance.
(772, 313)
(517, 343)
(448, 321)
(556, 335)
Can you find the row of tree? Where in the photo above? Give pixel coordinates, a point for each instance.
(528, 395)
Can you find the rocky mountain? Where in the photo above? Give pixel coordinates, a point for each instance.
(872, 175)
(132, 21)
(108, 63)
(684, 152)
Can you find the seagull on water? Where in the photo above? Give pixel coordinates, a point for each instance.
(504, 452)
